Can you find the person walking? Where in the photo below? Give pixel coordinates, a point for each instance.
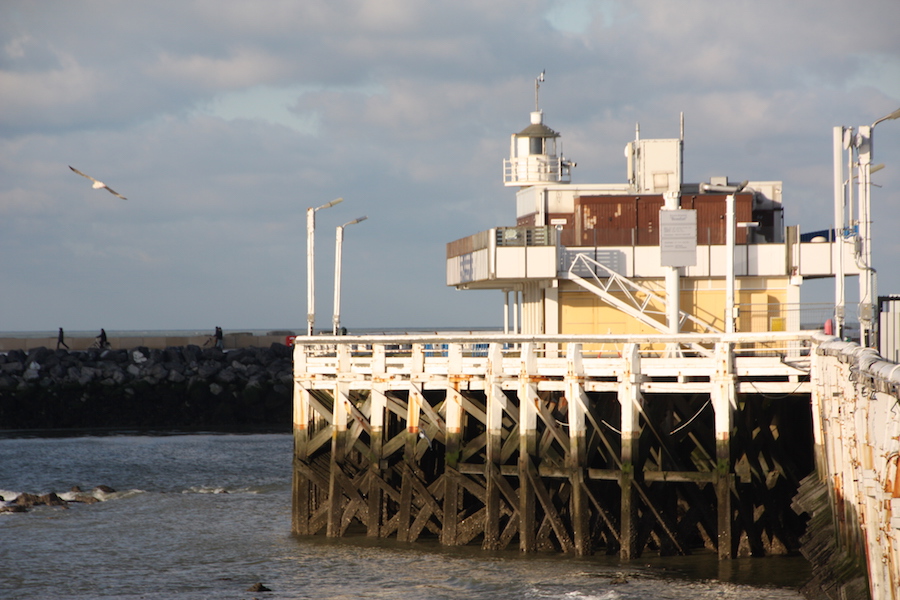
(101, 339)
(61, 339)
(219, 341)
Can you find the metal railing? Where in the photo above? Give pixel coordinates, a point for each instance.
(526, 236)
(531, 168)
(545, 346)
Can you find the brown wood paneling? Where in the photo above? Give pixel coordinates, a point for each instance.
(567, 234)
(711, 216)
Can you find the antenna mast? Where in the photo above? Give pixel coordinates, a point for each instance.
(537, 86)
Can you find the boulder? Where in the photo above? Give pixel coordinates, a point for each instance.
(29, 500)
(26, 500)
(83, 498)
(12, 366)
(52, 499)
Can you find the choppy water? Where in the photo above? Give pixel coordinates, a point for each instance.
(207, 516)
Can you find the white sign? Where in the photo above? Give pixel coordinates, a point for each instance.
(678, 238)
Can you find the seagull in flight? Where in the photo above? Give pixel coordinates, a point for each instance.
(99, 184)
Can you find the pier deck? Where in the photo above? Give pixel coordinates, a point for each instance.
(572, 444)
(615, 444)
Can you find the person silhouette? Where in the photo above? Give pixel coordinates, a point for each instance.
(219, 336)
(101, 339)
(61, 339)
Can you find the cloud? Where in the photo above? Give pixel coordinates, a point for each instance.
(222, 121)
(244, 67)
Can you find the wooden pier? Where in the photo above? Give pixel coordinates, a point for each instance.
(579, 444)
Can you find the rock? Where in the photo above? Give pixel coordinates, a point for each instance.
(179, 386)
(208, 369)
(105, 489)
(258, 587)
(85, 499)
(30, 500)
(26, 500)
(13, 508)
(52, 499)
(226, 375)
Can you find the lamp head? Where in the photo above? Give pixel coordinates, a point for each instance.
(330, 204)
(890, 117)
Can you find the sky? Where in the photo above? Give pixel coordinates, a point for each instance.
(222, 121)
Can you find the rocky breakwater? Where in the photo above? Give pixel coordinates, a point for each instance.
(174, 387)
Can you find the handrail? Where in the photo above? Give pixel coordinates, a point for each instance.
(503, 338)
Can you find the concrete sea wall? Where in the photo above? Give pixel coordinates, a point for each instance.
(142, 387)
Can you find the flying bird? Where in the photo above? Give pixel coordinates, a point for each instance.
(99, 184)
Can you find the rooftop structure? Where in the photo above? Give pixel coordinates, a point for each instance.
(653, 254)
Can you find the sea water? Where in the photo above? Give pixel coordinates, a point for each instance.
(208, 516)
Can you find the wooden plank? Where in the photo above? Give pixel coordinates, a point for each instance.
(629, 399)
(680, 476)
(452, 476)
(405, 509)
(312, 475)
(320, 440)
(495, 400)
(576, 457)
(551, 513)
(724, 401)
(471, 527)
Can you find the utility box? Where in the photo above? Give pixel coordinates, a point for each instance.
(654, 166)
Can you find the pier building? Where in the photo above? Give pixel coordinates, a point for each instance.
(653, 254)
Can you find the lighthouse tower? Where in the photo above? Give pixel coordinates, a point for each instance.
(533, 156)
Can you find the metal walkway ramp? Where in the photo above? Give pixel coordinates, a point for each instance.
(635, 300)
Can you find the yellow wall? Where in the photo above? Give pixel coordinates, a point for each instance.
(762, 301)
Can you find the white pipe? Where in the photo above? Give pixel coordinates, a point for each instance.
(673, 283)
(311, 263)
(506, 311)
(310, 270)
(729, 263)
(866, 298)
(838, 242)
(338, 245)
(518, 303)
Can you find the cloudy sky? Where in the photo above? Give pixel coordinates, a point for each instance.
(222, 121)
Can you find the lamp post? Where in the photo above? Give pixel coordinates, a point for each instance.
(311, 263)
(867, 313)
(730, 234)
(339, 242)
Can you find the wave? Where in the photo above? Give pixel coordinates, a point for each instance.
(247, 489)
(11, 498)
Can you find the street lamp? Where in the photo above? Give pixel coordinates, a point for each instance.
(867, 313)
(730, 234)
(339, 241)
(311, 264)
